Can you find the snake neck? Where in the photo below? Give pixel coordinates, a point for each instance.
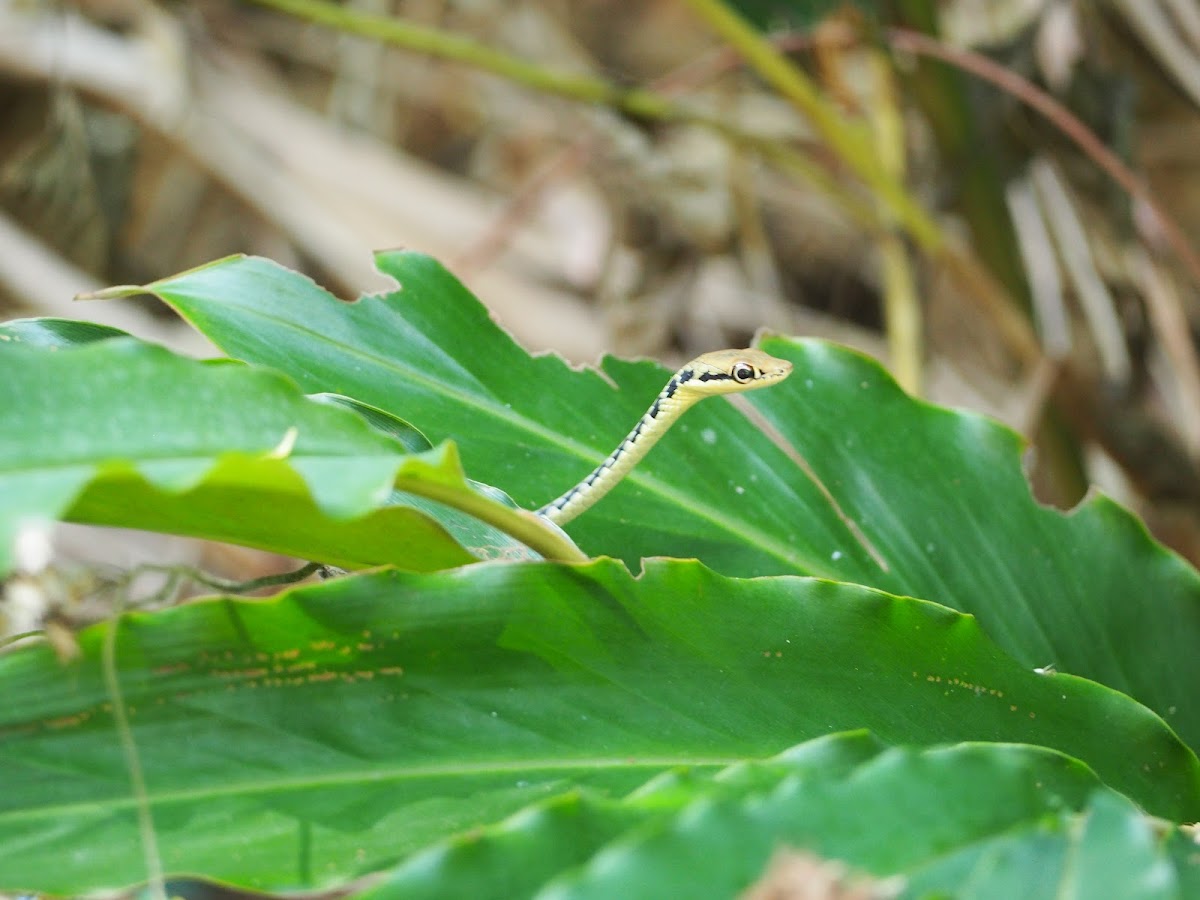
(670, 404)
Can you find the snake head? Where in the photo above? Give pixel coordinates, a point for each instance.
(732, 371)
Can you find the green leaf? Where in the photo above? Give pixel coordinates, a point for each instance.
(1117, 853)
(939, 800)
(976, 820)
(907, 497)
(341, 727)
(50, 332)
(1109, 851)
(516, 857)
(1181, 849)
(1005, 811)
(944, 513)
(128, 434)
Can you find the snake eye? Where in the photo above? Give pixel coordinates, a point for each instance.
(742, 372)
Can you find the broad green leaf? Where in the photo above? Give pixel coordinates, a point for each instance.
(907, 497)
(1007, 811)
(941, 510)
(1181, 847)
(51, 332)
(1117, 853)
(127, 434)
(977, 821)
(341, 727)
(160, 511)
(1111, 850)
(519, 855)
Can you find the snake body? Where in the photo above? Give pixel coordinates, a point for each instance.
(720, 372)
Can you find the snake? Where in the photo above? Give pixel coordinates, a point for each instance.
(711, 374)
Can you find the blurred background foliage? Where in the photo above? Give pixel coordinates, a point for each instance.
(1047, 275)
